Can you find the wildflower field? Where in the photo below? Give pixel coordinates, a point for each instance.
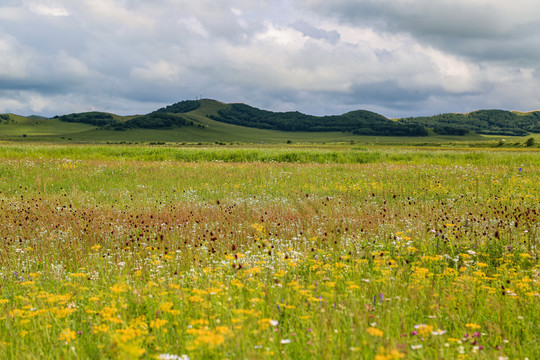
(147, 252)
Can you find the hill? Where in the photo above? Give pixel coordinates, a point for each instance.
(195, 113)
(359, 122)
(487, 122)
(209, 120)
(156, 120)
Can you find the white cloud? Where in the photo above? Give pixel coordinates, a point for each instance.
(13, 58)
(159, 71)
(48, 10)
(194, 26)
(11, 13)
(400, 57)
(282, 36)
(116, 13)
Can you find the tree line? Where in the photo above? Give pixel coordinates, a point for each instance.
(154, 120)
(360, 122)
(488, 122)
(5, 119)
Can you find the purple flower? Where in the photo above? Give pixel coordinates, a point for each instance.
(414, 333)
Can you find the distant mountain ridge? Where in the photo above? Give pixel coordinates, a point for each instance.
(201, 113)
(360, 122)
(488, 122)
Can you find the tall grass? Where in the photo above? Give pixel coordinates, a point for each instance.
(163, 252)
(342, 155)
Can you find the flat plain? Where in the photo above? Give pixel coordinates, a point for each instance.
(322, 252)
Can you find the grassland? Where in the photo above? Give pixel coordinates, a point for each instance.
(327, 252)
(208, 131)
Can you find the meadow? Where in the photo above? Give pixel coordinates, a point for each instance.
(327, 252)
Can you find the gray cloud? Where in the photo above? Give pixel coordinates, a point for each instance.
(487, 30)
(396, 57)
(314, 32)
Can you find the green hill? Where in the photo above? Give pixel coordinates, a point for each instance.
(487, 122)
(359, 122)
(211, 121)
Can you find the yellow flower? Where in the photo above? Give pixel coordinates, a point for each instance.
(100, 329)
(131, 350)
(67, 335)
(77, 275)
(195, 298)
(258, 227)
(374, 332)
(254, 270)
(472, 326)
(385, 354)
(166, 307)
(119, 288)
(237, 283)
(450, 272)
(424, 329)
(64, 312)
(127, 334)
(158, 323)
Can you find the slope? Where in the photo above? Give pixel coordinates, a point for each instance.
(487, 122)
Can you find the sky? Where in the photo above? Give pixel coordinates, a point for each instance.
(398, 58)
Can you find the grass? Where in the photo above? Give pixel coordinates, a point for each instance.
(264, 252)
(343, 154)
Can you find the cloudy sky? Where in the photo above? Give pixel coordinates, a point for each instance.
(396, 57)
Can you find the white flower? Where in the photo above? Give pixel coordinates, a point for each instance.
(416, 347)
(274, 322)
(285, 341)
(438, 332)
(172, 357)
